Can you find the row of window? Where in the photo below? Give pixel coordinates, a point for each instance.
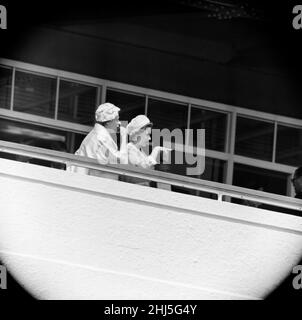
(37, 95)
(75, 102)
(215, 169)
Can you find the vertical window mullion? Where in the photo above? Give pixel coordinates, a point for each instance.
(146, 105)
(103, 97)
(98, 97)
(228, 133)
(275, 142)
(187, 136)
(230, 162)
(57, 98)
(13, 89)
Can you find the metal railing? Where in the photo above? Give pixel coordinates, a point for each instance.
(222, 191)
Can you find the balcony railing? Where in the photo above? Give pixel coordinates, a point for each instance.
(222, 191)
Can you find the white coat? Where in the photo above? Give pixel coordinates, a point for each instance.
(140, 159)
(98, 144)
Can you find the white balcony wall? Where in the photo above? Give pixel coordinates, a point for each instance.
(70, 236)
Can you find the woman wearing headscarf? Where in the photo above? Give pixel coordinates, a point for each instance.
(139, 131)
(100, 143)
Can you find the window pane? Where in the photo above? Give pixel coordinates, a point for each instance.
(168, 115)
(77, 102)
(289, 146)
(214, 168)
(214, 124)
(261, 179)
(131, 105)
(35, 94)
(20, 132)
(78, 138)
(254, 138)
(214, 171)
(5, 87)
(38, 136)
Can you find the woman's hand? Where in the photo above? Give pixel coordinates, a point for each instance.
(165, 150)
(158, 149)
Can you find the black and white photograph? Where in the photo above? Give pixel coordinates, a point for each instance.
(151, 151)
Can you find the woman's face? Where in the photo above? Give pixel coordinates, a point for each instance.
(144, 137)
(113, 125)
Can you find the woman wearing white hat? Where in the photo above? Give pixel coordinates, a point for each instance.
(99, 143)
(139, 131)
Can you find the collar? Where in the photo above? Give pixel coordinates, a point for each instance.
(101, 130)
(135, 146)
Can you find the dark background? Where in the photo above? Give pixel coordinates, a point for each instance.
(169, 46)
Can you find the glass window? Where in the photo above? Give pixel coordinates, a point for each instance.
(34, 94)
(214, 171)
(77, 102)
(168, 115)
(214, 168)
(289, 146)
(214, 123)
(254, 138)
(5, 87)
(78, 138)
(130, 104)
(38, 136)
(260, 179)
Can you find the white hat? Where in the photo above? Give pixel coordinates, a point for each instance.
(137, 123)
(106, 112)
